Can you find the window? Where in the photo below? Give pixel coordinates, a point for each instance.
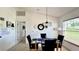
(71, 30)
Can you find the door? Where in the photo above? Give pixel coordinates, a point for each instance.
(21, 32)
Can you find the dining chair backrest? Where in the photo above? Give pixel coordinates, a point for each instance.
(60, 38)
(43, 35)
(29, 39)
(31, 45)
(50, 45)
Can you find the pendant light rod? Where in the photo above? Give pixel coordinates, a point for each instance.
(46, 13)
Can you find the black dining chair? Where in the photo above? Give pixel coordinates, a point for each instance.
(60, 39)
(49, 45)
(31, 45)
(43, 35)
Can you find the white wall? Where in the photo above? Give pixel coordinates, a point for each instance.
(34, 19)
(8, 40)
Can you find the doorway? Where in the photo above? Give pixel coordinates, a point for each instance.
(21, 31)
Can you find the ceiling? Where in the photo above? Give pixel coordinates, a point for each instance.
(52, 11)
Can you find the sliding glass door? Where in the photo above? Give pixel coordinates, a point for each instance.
(71, 30)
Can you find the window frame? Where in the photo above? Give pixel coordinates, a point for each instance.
(65, 30)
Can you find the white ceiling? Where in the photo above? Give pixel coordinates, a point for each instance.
(53, 11)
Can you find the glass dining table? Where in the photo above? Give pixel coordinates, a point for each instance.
(41, 41)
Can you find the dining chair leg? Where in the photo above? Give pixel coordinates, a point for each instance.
(36, 46)
(61, 48)
(57, 46)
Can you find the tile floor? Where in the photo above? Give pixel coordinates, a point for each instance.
(23, 46)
